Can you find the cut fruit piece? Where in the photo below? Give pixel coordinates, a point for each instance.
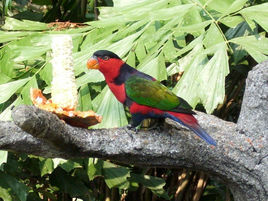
(74, 118)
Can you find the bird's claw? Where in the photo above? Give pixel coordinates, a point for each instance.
(130, 127)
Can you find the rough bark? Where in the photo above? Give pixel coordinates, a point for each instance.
(240, 158)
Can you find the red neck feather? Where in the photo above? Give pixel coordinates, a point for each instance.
(110, 68)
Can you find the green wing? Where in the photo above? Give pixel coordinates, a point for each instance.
(154, 94)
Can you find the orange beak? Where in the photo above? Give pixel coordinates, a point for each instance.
(93, 63)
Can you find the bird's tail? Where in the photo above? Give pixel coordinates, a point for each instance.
(190, 122)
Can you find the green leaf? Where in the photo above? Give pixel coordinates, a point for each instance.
(196, 28)
(231, 21)
(8, 89)
(140, 51)
(193, 16)
(124, 44)
(46, 166)
(94, 168)
(84, 99)
(191, 45)
(6, 5)
(169, 50)
(42, 2)
(235, 6)
(115, 176)
(131, 59)
(203, 80)
(218, 5)
(57, 162)
(70, 165)
(213, 36)
(46, 73)
(6, 63)
(6, 114)
(19, 190)
(189, 85)
(242, 29)
(154, 66)
(67, 183)
(257, 13)
(122, 14)
(173, 68)
(26, 90)
(30, 47)
(155, 184)
(193, 19)
(5, 194)
(4, 78)
(110, 109)
(91, 76)
(169, 13)
(6, 36)
(3, 157)
(256, 46)
(13, 24)
(212, 77)
(67, 165)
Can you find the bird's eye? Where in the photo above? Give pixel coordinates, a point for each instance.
(105, 58)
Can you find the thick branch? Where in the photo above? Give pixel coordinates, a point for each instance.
(233, 159)
(240, 159)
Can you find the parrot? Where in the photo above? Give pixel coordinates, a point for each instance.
(145, 96)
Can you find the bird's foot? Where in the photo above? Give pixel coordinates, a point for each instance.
(133, 128)
(157, 127)
(129, 127)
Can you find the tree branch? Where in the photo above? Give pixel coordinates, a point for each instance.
(240, 158)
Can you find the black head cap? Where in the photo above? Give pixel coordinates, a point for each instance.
(105, 53)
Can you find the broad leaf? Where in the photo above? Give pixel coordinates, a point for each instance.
(18, 189)
(94, 168)
(131, 59)
(213, 36)
(212, 79)
(46, 73)
(155, 66)
(30, 47)
(115, 176)
(6, 114)
(91, 76)
(111, 110)
(6, 63)
(68, 184)
(3, 157)
(240, 30)
(189, 85)
(231, 21)
(257, 13)
(46, 166)
(5, 194)
(84, 100)
(4, 78)
(8, 89)
(67, 165)
(218, 5)
(155, 184)
(256, 46)
(10, 36)
(235, 6)
(26, 90)
(14, 24)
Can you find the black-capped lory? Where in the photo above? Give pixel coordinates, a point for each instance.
(144, 95)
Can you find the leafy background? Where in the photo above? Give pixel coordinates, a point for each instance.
(201, 49)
